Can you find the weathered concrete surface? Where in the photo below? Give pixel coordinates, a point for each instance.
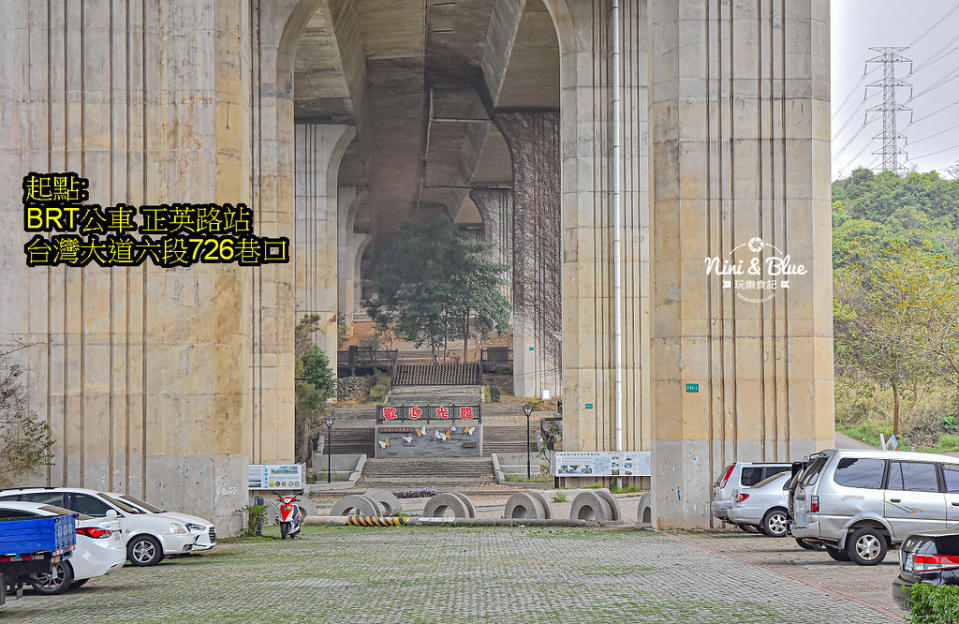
(319, 149)
(533, 138)
(145, 373)
(740, 150)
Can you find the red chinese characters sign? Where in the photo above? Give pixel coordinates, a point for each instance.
(429, 412)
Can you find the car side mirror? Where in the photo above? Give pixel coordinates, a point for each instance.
(111, 514)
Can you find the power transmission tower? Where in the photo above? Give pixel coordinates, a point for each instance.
(890, 136)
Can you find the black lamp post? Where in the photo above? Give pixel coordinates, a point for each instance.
(528, 410)
(329, 447)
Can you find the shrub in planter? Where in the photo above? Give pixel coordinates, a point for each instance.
(932, 604)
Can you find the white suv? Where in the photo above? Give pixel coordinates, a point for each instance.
(203, 530)
(148, 537)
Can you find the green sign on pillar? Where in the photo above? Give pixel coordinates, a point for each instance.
(692, 387)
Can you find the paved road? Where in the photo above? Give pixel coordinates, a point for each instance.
(407, 574)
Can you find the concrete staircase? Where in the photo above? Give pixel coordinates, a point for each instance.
(351, 441)
(507, 439)
(446, 472)
(436, 395)
(437, 375)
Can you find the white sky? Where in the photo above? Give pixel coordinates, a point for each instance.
(931, 30)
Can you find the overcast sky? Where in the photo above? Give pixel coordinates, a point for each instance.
(931, 30)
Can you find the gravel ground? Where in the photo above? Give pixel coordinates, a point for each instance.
(443, 574)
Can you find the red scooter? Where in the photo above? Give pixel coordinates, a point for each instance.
(290, 516)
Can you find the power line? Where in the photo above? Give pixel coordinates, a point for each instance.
(937, 56)
(936, 112)
(945, 149)
(933, 135)
(933, 27)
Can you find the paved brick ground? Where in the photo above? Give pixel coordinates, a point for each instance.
(406, 574)
(871, 584)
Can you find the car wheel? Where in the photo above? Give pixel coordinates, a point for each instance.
(806, 544)
(774, 523)
(837, 553)
(144, 550)
(56, 581)
(866, 546)
(747, 528)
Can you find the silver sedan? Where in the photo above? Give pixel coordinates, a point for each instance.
(764, 505)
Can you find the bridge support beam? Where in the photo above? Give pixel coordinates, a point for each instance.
(319, 149)
(533, 139)
(740, 154)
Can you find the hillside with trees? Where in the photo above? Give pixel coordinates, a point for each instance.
(896, 303)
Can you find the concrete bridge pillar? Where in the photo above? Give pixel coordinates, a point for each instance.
(533, 139)
(740, 172)
(319, 149)
(496, 207)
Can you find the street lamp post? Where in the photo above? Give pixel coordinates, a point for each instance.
(528, 410)
(329, 447)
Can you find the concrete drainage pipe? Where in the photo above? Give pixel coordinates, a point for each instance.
(613, 505)
(356, 504)
(470, 508)
(645, 513)
(390, 504)
(590, 506)
(526, 506)
(545, 500)
(437, 506)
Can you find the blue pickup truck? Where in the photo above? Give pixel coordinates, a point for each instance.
(33, 546)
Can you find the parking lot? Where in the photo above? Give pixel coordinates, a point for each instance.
(442, 574)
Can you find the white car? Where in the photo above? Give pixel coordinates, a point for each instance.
(203, 530)
(100, 548)
(148, 537)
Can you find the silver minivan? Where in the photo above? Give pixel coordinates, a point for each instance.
(860, 503)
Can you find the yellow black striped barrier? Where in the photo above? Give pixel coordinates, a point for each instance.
(380, 521)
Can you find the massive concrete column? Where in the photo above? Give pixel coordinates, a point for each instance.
(588, 375)
(141, 373)
(319, 149)
(533, 139)
(350, 200)
(496, 207)
(740, 142)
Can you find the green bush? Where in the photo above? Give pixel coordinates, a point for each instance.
(256, 517)
(931, 604)
(949, 440)
(378, 392)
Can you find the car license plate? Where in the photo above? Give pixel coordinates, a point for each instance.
(907, 564)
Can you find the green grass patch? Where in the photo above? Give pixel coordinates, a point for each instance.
(867, 432)
(513, 478)
(559, 498)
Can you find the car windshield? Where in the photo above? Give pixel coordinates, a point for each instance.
(60, 511)
(119, 504)
(142, 503)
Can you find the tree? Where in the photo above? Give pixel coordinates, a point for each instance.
(432, 286)
(25, 440)
(885, 300)
(314, 384)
